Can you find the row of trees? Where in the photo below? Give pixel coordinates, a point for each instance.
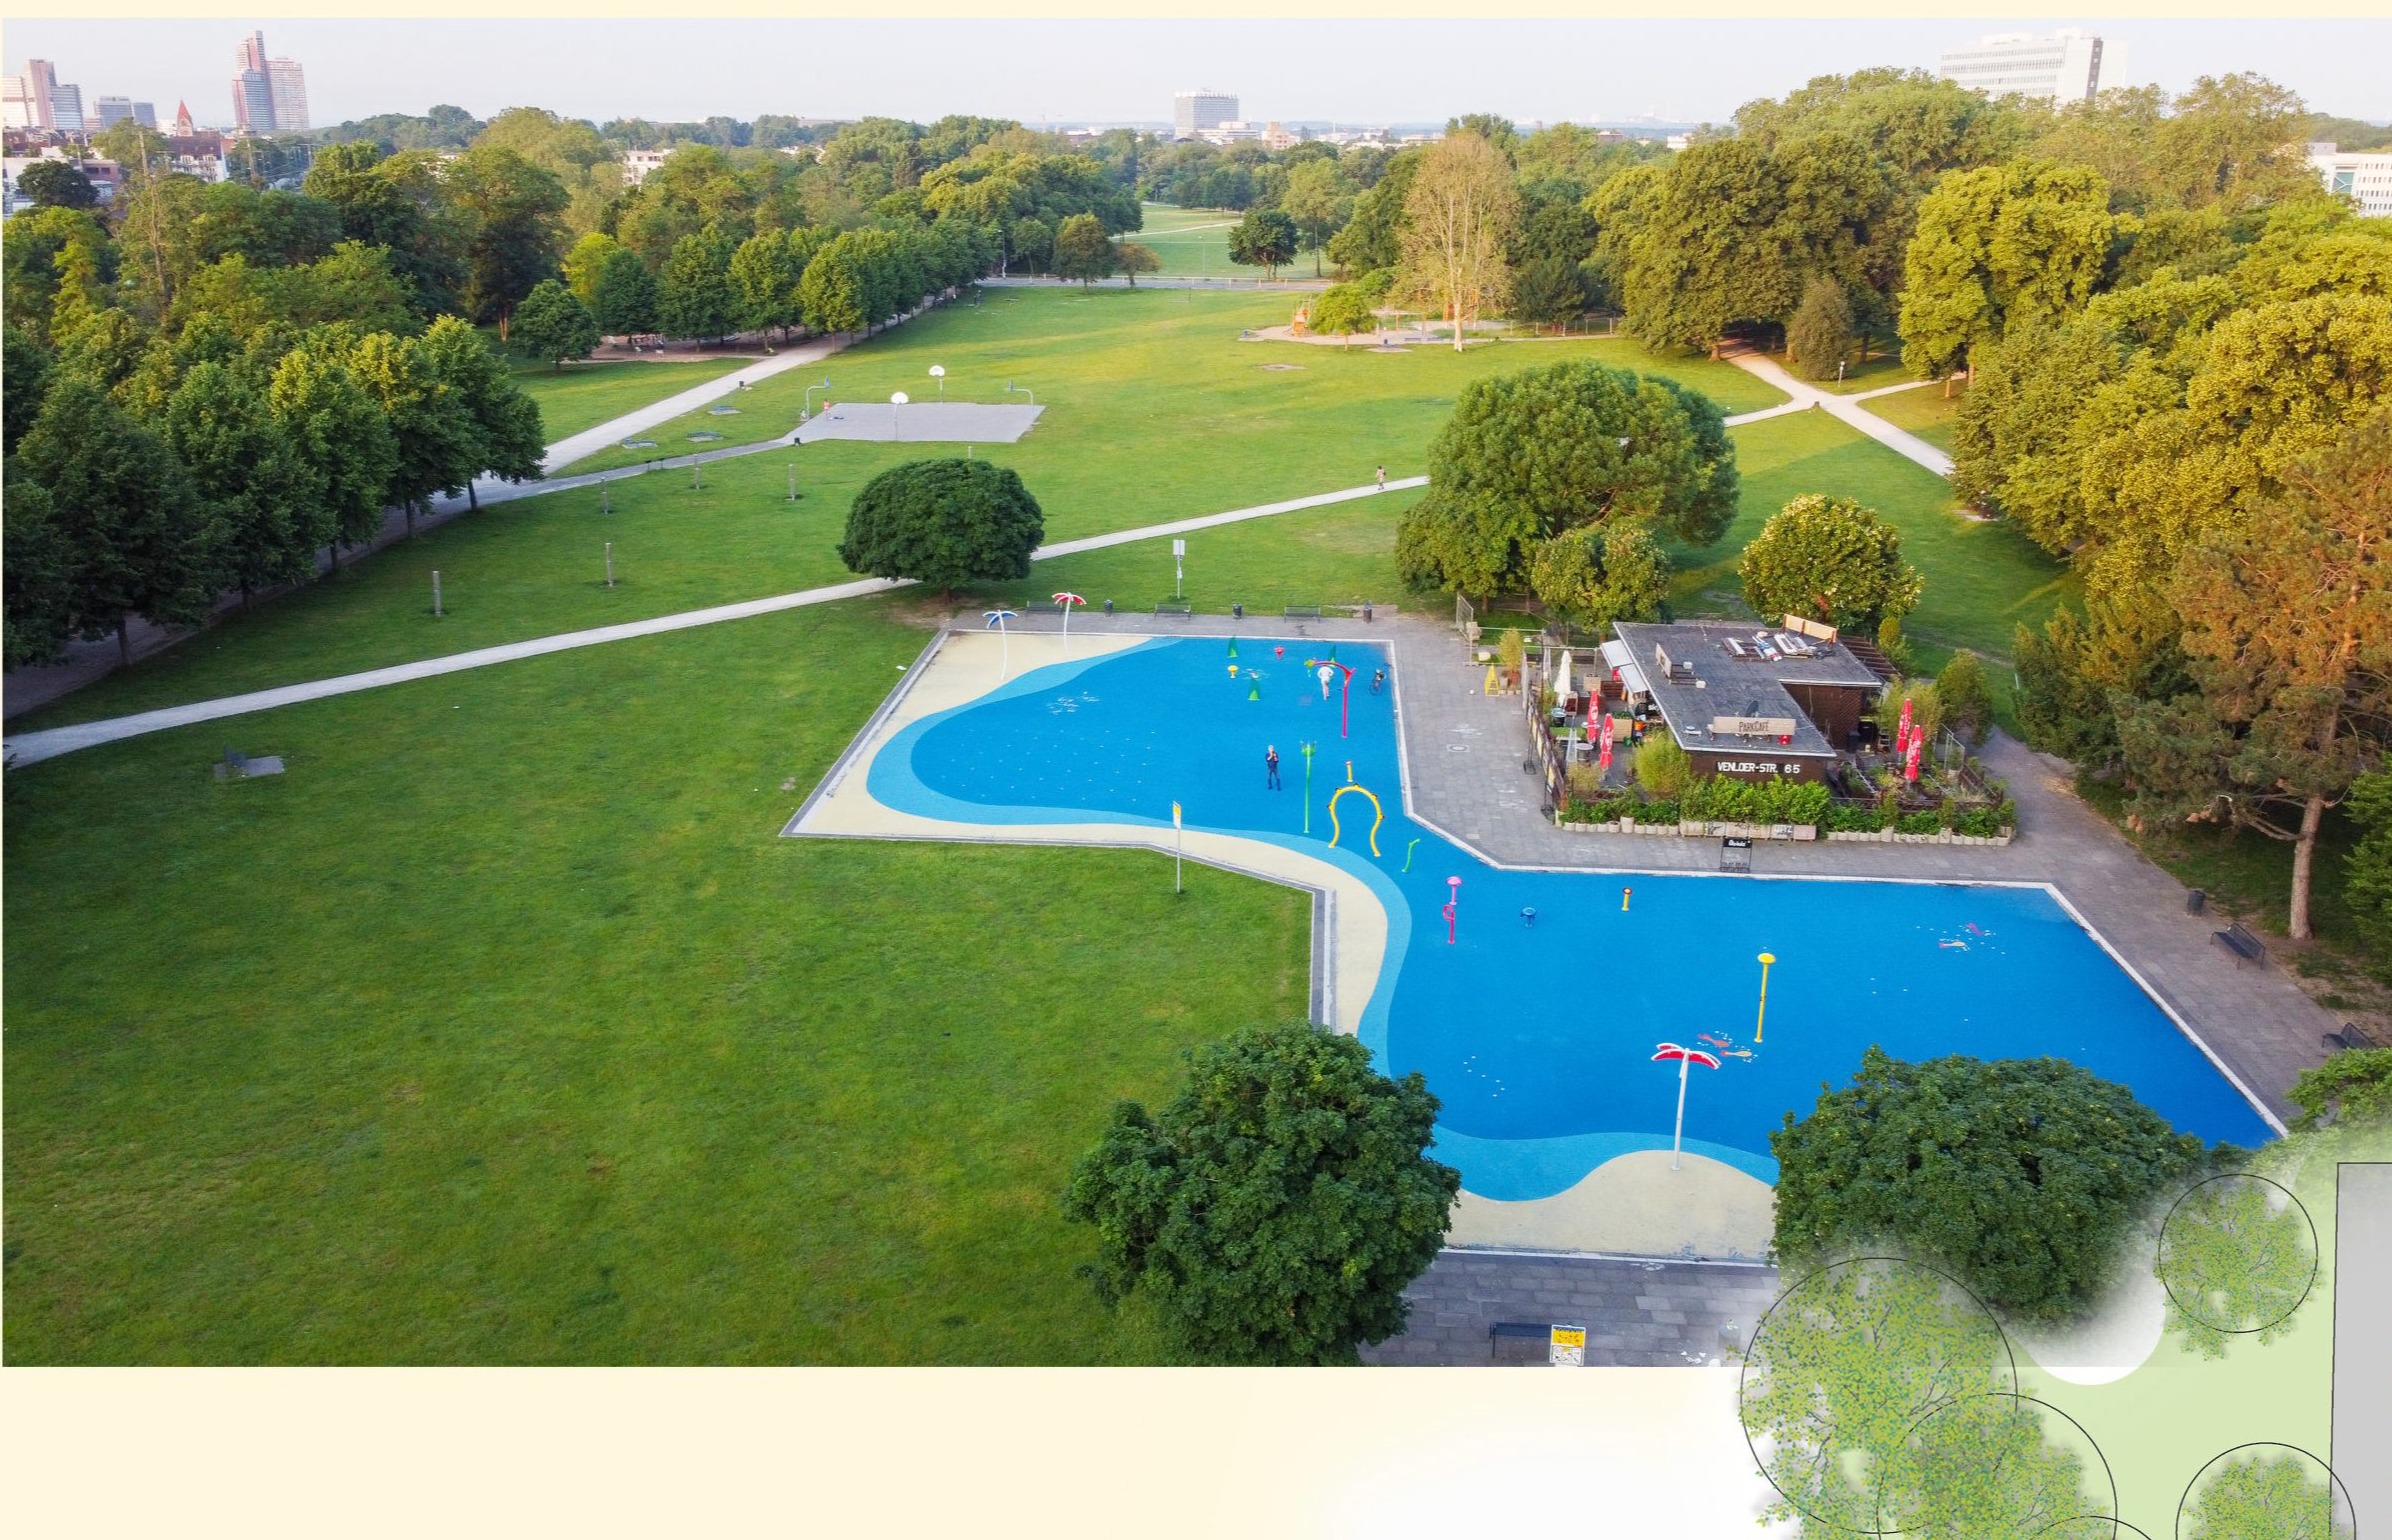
(147, 475)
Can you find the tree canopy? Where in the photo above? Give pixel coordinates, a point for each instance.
(1529, 455)
(1274, 1211)
(2020, 1176)
(1830, 559)
(945, 523)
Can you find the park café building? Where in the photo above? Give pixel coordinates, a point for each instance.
(1746, 701)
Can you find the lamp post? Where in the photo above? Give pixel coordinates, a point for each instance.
(1761, 1016)
(806, 411)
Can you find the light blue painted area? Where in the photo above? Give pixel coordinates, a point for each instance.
(1538, 1038)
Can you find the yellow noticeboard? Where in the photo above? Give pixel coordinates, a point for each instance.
(1568, 1348)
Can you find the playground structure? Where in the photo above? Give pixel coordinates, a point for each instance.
(1335, 830)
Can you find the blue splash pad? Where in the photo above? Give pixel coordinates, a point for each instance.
(1538, 1038)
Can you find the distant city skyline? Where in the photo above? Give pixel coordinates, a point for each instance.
(1066, 73)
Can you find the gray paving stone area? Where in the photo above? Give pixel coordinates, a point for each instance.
(1637, 1313)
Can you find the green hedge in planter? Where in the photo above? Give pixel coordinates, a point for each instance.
(1719, 799)
(1844, 818)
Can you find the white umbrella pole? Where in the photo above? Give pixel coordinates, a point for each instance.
(1677, 1137)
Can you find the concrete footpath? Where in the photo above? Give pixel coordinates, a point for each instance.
(49, 743)
(1638, 1312)
(1845, 409)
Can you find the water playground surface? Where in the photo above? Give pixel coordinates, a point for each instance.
(1536, 1023)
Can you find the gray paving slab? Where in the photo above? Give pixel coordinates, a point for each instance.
(1696, 1309)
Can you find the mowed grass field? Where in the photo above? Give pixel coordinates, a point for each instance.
(504, 1028)
(1194, 243)
(1155, 412)
(583, 395)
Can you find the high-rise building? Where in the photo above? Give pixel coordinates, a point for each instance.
(41, 79)
(112, 110)
(16, 103)
(1192, 112)
(269, 95)
(2066, 66)
(2365, 179)
(288, 86)
(253, 102)
(146, 114)
(66, 109)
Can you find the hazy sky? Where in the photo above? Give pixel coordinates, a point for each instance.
(1079, 71)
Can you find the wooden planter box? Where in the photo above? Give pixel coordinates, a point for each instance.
(1940, 837)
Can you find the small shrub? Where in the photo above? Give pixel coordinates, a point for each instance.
(1662, 767)
(1928, 822)
(1844, 818)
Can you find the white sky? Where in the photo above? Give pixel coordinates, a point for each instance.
(1079, 71)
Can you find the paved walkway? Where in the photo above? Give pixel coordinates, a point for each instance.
(32, 748)
(1844, 409)
(1465, 751)
(1638, 1312)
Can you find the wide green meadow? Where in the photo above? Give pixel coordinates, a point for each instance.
(505, 1028)
(1155, 411)
(1194, 243)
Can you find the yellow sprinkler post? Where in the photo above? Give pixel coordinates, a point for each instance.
(1762, 1016)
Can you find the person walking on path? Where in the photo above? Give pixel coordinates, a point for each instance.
(1270, 766)
(1382, 478)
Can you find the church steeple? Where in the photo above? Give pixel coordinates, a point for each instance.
(182, 120)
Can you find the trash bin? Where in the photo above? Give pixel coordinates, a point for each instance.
(2195, 901)
(1108, 606)
(1366, 611)
(1237, 612)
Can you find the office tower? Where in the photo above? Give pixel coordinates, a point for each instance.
(2064, 67)
(1195, 111)
(41, 79)
(146, 114)
(66, 109)
(112, 110)
(253, 102)
(16, 103)
(288, 86)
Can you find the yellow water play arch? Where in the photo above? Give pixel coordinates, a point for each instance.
(1379, 814)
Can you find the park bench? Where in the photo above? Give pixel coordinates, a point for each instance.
(1301, 612)
(2245, 946)
(1535, 1331)
(2346, 1037)
(1181, 607)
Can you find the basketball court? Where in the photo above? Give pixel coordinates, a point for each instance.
(921, 422)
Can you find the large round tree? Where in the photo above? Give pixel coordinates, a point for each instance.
(1830, 559)
(944, 523)
(2021, 1176)
(1526, 456)
(1274, 1212)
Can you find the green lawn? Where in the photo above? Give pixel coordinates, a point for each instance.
(1194, 243)
(1926, 412)
(1141, 385)
(1155, 412)
(1982, 579)
(583, 395)
(504, 1029)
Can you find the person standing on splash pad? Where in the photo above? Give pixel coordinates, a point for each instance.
(1378, 679)
(1270, 766)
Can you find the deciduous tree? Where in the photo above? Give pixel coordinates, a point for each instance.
(1831, 559)
(1082, 250)
(1526, 456)
(1593, 576)
(944, 523)
(1459, 219)
(624, 300)
(2020, 1176)
(1999, 246)
(1264, 238)
(553, 326)
(1275, 1210)
(1822, 334)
